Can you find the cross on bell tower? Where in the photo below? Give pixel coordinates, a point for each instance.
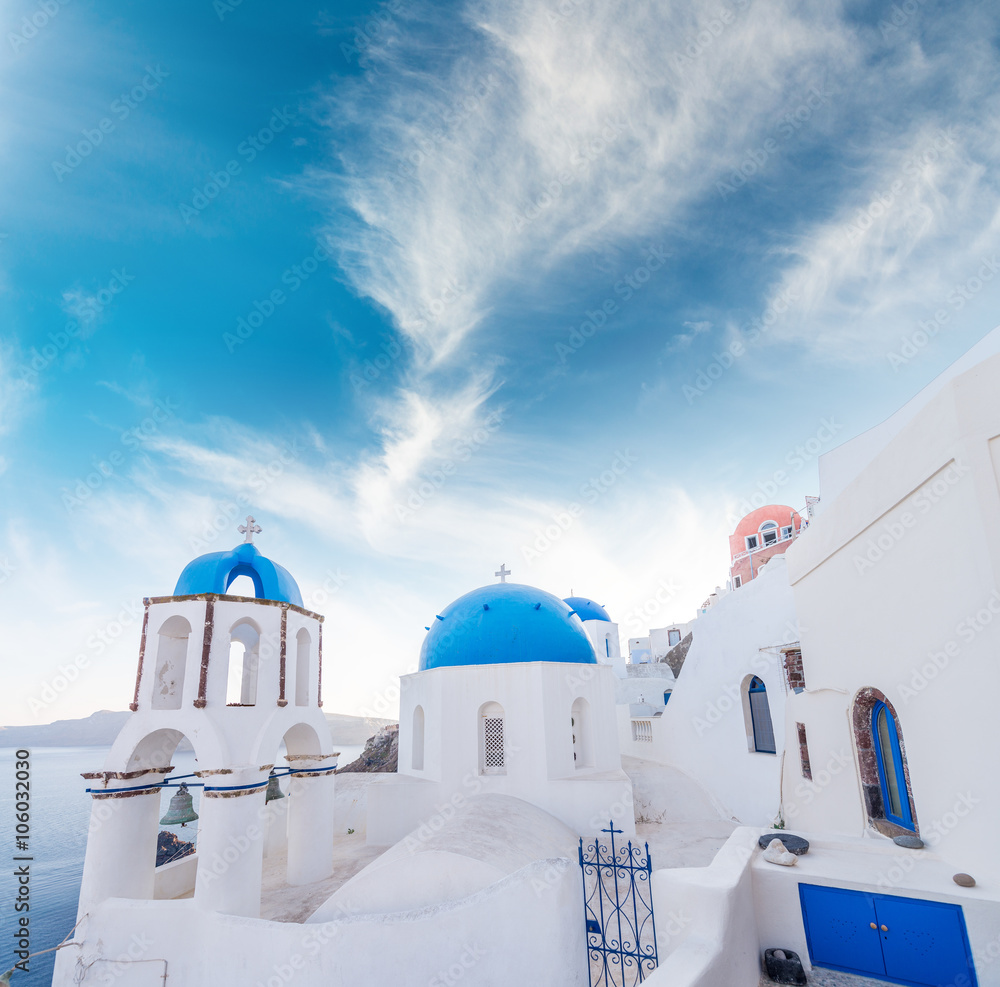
(503, 572)
(249, 529)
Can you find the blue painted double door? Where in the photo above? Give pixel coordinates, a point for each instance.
(903, 940)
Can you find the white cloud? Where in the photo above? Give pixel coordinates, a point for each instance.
(548, 133)
(922, 213)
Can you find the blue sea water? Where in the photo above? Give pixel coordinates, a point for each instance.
(60, 815)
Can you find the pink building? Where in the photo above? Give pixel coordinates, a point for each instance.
(762, 534)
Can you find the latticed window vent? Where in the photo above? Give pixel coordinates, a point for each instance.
(493, 742)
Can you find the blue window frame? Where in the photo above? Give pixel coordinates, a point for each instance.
(891, 776)
(760, 718)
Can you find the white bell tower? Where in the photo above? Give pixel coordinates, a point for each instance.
(239, 677)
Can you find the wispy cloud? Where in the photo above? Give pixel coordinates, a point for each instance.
(554, 128)
(922, 212)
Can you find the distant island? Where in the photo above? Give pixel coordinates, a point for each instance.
(100, 729)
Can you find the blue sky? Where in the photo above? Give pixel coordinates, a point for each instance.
(406, 280)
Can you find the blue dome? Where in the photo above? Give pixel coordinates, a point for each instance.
(502, 624)
(215, 572)
(586, 609)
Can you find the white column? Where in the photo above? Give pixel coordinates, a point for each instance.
(121, 840)
(231, 841)
(310, 817)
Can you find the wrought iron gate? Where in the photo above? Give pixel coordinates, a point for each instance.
(618, 908)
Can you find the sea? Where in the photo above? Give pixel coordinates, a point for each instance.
(57, 843)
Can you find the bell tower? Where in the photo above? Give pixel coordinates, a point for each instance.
(239, 677)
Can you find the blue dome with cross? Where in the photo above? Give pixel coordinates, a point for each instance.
(215, 572)
(503, 624)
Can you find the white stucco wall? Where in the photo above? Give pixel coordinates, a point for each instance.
(896, 590)
(537, 699)
(703, 730)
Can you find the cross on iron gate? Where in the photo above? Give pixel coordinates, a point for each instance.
(620, 928)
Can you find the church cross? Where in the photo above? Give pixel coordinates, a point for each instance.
(249, 529)
(503, 572)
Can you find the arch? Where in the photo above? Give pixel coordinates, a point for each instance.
(582, 733)
(417, 758)
(492, 740)
(757, 715)
(303, 649)
(244, 663)
(171, 660)
(154, 750)
(302, 738)
(882, 765)
(769, 533)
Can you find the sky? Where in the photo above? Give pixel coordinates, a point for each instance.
(431, 287)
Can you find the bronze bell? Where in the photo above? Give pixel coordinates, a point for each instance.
(273, 790)
(181, 809)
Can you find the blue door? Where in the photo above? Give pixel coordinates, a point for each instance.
(838, 929)
(923, 941)
(903, 940)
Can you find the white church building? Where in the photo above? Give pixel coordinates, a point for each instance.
(871, 644)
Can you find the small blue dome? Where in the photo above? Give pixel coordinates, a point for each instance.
(502, 624)
(586, 609)
(215, 572)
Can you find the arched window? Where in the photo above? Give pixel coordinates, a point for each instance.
(769, 533)
(171, 658)
(885, 780)
(417, 761)
(302, 648)
(760, 730)
(244, 660)
(492, 749)
(607, 646)
(889, 760)
(583, 747)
